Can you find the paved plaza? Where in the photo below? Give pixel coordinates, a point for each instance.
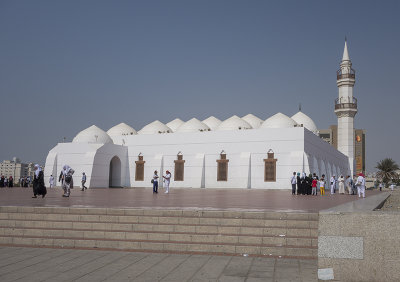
(196, 198)
(42, 264)
(80, 264)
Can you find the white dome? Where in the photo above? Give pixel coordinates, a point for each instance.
(212, 122)
(93, 134)
(278, 120)
(175, 124)
(154, 128)
(254, 121)
(193, 125)
(306, 121)
(234, 123)
(121, 130)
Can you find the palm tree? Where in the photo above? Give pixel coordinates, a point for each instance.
(387, 170)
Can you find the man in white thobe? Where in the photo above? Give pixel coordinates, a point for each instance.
(360, 184)
(51, 181)
(167, 179)
(333, 184)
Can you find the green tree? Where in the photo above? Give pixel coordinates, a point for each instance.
(387, 171)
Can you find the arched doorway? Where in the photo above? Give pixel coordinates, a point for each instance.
(115, 173)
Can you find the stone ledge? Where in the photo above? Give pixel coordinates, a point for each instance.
(361, 205)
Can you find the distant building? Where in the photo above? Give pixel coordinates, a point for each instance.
(330, 135)
(16, 169)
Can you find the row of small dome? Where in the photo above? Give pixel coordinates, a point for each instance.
(94, 134)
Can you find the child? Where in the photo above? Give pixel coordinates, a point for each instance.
(322, 185)
(314, 186)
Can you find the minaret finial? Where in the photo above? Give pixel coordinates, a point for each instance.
(299, 107)
(346, 56)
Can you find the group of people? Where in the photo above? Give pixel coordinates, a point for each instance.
(6, 182)
(308, 185)
(9, 181)
(25, 181)
(166, 179)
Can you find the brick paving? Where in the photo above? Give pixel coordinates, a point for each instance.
(52, 264)
(42, 264)
(209, 199)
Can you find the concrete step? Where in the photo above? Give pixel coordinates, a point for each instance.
(162, 212)
(160, 236)
(163, 246)
(189, 231)
(142, 227)
(162, 220)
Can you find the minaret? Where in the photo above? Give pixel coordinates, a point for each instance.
(346, 107)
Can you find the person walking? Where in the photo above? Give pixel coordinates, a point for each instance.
(61, 178)
(38, 182)
(341, 184)
(322, 185)
(333, 184)
(293, 182)
(348, 183)
(10, 182)
(83, 181)
(361, 185)
(167, 179)
(309, 180)
(314, 186)
(298, 180)
(6, 182)
(155, 182)
(2, 181)
(354, 191)
(68, 182)
(380, 186)
(51, 181)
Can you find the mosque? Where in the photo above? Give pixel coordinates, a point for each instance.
(245, 152)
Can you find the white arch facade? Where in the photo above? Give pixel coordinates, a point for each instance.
(295, 149)
(93, 159)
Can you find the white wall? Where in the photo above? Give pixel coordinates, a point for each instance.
(93, 159)
(296, 149)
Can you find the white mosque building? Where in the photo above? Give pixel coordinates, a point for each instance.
(239, 152)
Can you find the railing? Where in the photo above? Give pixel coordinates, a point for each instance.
(351, 73)
(346, 75)
(345, 103)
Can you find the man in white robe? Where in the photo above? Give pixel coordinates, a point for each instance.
(360, 184)
(333, 184)
(51, 181)
(167, 179)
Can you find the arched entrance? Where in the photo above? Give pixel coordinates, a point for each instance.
(115, 173)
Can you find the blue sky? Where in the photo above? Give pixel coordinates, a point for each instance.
(65, 65)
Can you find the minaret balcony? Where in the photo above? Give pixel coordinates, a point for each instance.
(347, 73)
(345, 103)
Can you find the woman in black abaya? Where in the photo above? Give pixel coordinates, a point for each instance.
(38, 183)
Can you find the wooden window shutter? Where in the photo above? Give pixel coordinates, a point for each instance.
(270, 168)
(179, 168)
(139, 172)
(222, 168)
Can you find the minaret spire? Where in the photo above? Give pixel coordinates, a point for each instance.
(346, 56)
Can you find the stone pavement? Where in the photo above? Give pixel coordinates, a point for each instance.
(183, 198)
(45, 264)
